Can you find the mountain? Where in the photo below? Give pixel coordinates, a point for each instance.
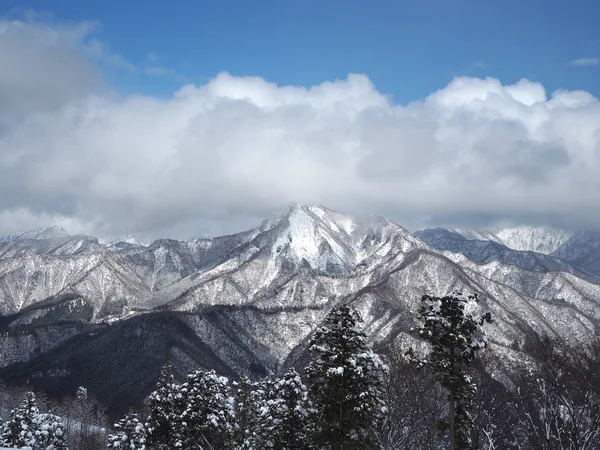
(531, 248)
(487, 251)
(534, 239)
(581, 250)
(39, 234)
(79, 311)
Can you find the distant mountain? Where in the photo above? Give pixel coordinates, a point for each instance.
(42, 233)
(487, 251)
(531, 248)
(581, 250)
(79, 311)
(534, 239)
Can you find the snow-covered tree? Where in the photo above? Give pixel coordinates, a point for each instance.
(455, 338)
(244, 434)
(283, 413)
(28, 428)
(345, 383)
(50, 433)
(129, 434)
(20, 430)
(166, 405)
(207, 419)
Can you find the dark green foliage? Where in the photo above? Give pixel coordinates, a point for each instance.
(283, 413)
(19, 431)
(166, 405)
(454, 337)
(244, 434)
(28, 428)
(129, 434)
(345, 383)
(207, 418)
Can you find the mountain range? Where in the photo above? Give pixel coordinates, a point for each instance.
(77, 310)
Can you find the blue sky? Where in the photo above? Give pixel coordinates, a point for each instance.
(408, 48)
(192, 118)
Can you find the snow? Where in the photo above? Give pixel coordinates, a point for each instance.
(475, 235)
(301, 237)
(535, 239)
(367, 260)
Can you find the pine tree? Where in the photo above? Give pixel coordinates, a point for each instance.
(20, 430)
(455, 338)
(129, 434)
(50, 433)
(244, 434)
(207, 419)
(283, 413)
(166, 405)
(346, 380)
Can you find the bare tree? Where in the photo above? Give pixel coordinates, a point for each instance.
(416, 405)
(559, 399)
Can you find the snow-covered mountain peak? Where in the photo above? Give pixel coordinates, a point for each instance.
(536, 239)
(333, 242)
(305, 233)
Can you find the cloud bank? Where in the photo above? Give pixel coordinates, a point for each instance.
(217, 157)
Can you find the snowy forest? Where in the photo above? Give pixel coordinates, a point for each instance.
(446, 392)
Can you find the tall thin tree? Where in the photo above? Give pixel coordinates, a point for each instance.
(455, 337)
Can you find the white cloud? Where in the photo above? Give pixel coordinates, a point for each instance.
(216, 157)
(102, 52)
(585, 62)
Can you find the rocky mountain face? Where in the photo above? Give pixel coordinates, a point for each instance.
(79, 311)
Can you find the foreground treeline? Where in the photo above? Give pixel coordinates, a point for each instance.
(342, 405)
(34, 422)
(437, 396)
(440, 397)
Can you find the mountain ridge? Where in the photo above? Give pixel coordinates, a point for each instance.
(250, 300)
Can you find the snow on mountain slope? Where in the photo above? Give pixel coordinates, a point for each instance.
(483, 251)
(478, 235)
(522, 303)
(251, 299)
(581, 250)
(62, 245)
(336, 243)
(534, 239)
(101, 278)
(301, 258)
(43, 233)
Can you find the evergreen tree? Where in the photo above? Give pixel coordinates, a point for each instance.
(50, 433)
(166, 405)
(20, 430)
(207, 419)
(246, 409)
(346, 380)
(455, 338)
(283, 413)
(129, 434)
